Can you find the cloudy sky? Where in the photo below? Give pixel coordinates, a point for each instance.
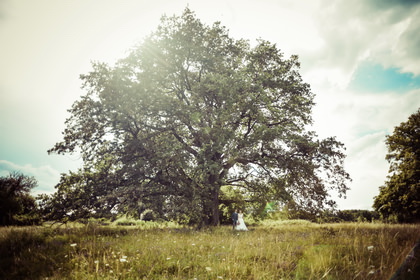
(361, 58)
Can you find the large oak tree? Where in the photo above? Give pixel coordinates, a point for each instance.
(191, 109)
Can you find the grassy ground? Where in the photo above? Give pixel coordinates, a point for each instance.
(276, 250)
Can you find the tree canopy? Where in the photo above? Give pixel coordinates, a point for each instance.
(400, 196)
(190, 110)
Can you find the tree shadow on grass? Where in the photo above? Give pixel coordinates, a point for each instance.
(29, 254)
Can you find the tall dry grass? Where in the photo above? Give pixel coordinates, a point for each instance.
(272, 250)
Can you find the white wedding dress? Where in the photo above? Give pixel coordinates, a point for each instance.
(241, 224)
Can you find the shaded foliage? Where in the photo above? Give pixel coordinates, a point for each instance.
(399, 198)
(17, 205)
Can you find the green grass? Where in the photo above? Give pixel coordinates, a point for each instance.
(271, 250)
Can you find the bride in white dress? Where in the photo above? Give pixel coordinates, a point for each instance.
(241, 224)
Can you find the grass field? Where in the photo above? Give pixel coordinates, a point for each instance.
(275, 250)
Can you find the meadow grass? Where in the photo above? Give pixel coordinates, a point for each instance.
(270, 250)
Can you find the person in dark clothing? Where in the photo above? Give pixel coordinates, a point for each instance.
(235, 218)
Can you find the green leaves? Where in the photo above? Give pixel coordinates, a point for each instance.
(191, 109)
(400, 197)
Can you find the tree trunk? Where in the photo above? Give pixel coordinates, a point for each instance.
(215, 208)
(213, 185)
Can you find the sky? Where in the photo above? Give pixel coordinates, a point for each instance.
(361, 58)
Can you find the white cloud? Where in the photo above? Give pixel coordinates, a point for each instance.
(368, 168)
(353, 31)
(385, 33)
(406, 50)
(46, 176)
(362, 122)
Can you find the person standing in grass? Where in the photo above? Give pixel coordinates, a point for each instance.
(235, 218)
(241, 224)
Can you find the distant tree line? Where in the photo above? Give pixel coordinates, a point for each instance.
(75, 198)
(19, 207)
(289, 212)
